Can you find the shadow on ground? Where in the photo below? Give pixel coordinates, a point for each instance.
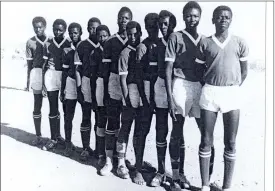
(27, 138)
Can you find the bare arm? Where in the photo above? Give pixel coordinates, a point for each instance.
(244, 71)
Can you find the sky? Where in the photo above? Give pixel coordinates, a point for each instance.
(16, 19)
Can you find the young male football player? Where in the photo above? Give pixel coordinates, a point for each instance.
(35, 61)
(113, 94)
(167, 23)
(183, 95)
(97, 87)
(128, 71)
(84, 91)
(68, 93)
(225, 57)
(53, 51)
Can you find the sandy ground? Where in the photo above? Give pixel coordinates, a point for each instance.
(28, 168)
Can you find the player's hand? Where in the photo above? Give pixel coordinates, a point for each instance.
(80, 96)
(44, 91)
(152, 105)
(172, 109)
(128, 102)
(94, 105)
(26, 89)
(106, 99)
(62, 97)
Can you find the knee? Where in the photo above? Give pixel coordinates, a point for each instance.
(206, 143)
(230, 146)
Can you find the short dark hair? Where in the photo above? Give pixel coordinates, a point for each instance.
(133, 24)
(39, 19)
(221, 8)
(125, 9)
(151, 16)
(103, 28)
(60, 22)
(172, 18)
(75, 25)
(191, 5)
(93, 20)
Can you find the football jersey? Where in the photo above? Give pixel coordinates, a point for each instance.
(82, 55)
(161, 46)
(111, 51)
(127, 63)
(96, 61)
(34, 51)
(222, 60)
(181, 49)
(148, 56)
(68, 59)
(53, 53)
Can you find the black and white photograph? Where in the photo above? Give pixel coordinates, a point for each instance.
(130, 96)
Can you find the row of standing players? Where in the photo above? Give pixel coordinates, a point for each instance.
(119, 75)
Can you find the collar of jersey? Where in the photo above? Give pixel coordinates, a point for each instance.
(132, 48)
(163, 41)
(92, 43)
(59, 45)
(221, 45)
(121, 40)
(40, 40)
(74, 47)
(191, 38)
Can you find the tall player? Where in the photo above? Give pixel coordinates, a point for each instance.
(225, 57)
(184, 94)
(68, 94)
(167, 23)
(84, 91)
(97, 87)
(35, 61)
(53, 51)
(113, 94)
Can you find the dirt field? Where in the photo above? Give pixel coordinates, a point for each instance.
(28, 168)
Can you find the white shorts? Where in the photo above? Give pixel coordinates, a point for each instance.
(135, 96)
(186, 95)
(53, 80)
(36, 79)
(160, 94)
(220, 98)
(70, 88)
(99, 91)
(114, 87)
(86, 89)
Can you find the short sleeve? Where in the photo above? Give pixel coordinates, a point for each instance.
(45, 51)
(200, 56)
(29, 54)
(107, 52)
(170, 52)
(244, 51)
(123, 63)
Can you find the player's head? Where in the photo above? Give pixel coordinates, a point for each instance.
(93, 23)
(133, 32)
(39, 25)
(124, 16)
(102, 33)
(75, 32)
(151, 25)
(222, 17)
(191, 14)
(167, 22)
(59, 28)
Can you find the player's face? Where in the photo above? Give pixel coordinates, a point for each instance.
(102, 36)
(58, 31)
(123, 19)
(75, 34)
(133, 36)
(191, 18)
(92, 28)
(39, 28)
(152, 28)
(164, 26)
(223, 20)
